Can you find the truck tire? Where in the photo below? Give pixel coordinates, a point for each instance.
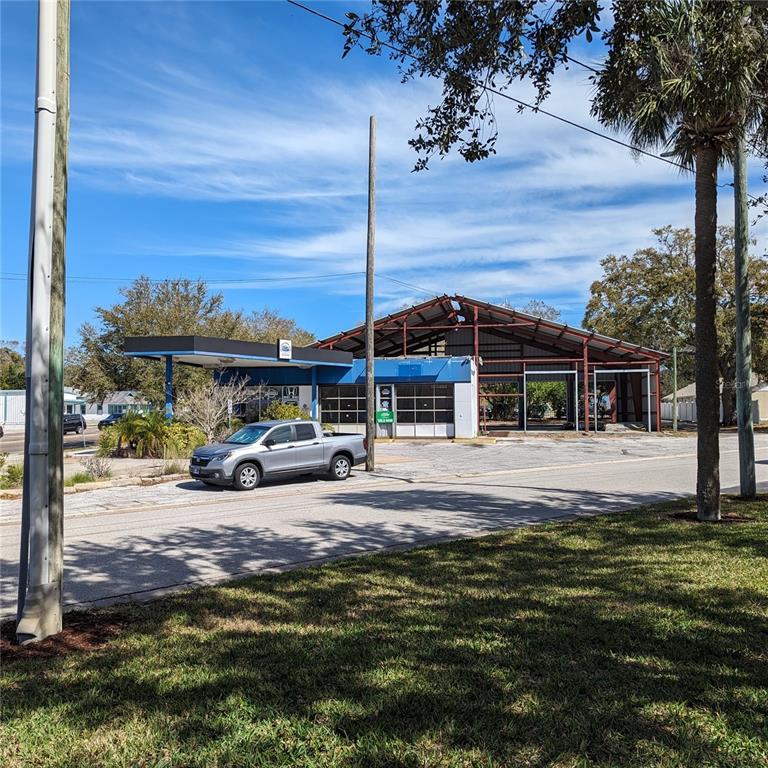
(341, 466)
(79, 431)
(246, 477)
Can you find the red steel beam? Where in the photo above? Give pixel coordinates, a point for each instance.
(586, 387)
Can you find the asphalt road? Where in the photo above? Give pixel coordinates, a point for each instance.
(152, 540)
(13, 442)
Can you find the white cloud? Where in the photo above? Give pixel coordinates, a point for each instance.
(533, 221)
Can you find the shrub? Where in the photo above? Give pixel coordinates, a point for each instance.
(12, 475)
(181, 439)
(96, 466)
(173, 468)
(107, 443)
(148, 436)
(277, 411)
(78, 477)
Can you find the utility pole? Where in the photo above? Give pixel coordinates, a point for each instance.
(39, 611)
(747, 484)
(674, 389)
(370, 389)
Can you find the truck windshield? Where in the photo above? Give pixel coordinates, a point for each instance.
(247, 434)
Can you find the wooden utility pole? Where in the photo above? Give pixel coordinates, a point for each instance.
(747, 483)
(370, 389)
(41, 563)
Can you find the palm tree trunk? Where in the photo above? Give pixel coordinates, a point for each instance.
(707, 389)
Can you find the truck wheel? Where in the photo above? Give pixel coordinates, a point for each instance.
(246, 477)
(340, 468)
(79, 431)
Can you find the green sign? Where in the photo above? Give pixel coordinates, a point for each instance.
(385, 417)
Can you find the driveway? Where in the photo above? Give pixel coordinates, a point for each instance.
(136, 543)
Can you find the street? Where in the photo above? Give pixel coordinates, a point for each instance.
(135, 543)
(13, 442)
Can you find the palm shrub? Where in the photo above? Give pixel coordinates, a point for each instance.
(127, 430)
(150, 435)
(691, 78)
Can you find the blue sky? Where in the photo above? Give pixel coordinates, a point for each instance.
(229, 141)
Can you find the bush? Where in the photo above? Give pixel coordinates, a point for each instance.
(11, 476)
(97, 467)
(78, 477)
(276, 411)
(181, 439)
(148, 436)
(107, 443)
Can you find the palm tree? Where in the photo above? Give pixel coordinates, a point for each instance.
(691, 77)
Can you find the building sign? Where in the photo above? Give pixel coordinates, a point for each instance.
(385, 417)
(284, 349)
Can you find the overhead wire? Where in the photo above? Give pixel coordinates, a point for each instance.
(217, 281)
(96, 279)
(520, 102)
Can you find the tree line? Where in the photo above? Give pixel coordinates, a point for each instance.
(96, 366)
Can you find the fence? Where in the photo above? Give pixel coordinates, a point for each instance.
(686, 412)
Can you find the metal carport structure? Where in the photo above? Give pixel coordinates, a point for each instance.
(509, 345)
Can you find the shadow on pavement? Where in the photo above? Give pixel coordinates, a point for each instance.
(352, 521)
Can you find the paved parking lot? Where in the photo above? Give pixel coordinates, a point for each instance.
(137, 542)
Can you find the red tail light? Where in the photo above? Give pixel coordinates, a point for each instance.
(365, 443)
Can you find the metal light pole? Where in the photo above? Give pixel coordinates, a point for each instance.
(747, 482)
(39, 610)
(370, 390)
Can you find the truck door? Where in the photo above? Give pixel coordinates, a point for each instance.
(281, 455)
(309, 447)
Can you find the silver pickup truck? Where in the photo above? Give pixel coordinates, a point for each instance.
(274, 449)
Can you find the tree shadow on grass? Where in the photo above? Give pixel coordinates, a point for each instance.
(608, 641)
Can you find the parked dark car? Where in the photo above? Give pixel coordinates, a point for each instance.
(108, 421)
(74, 422)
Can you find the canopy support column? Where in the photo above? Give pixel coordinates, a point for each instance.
(314, 412)
(168, 387)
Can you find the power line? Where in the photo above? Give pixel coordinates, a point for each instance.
(407, 285)
(519, 102)
(96, 279)
(503, 95)
(155, 281)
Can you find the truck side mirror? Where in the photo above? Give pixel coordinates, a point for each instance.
(269, 442)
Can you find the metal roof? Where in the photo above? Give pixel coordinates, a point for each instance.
(431, 319)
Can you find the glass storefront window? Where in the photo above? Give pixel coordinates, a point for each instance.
(342, 404)
(424, 403)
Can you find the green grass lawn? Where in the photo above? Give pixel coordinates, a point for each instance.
(635, 639)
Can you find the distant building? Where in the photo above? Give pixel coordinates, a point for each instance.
(13, 405)
(686, 403)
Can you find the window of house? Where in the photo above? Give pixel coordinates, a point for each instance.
(424, 403)
(343, 404)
